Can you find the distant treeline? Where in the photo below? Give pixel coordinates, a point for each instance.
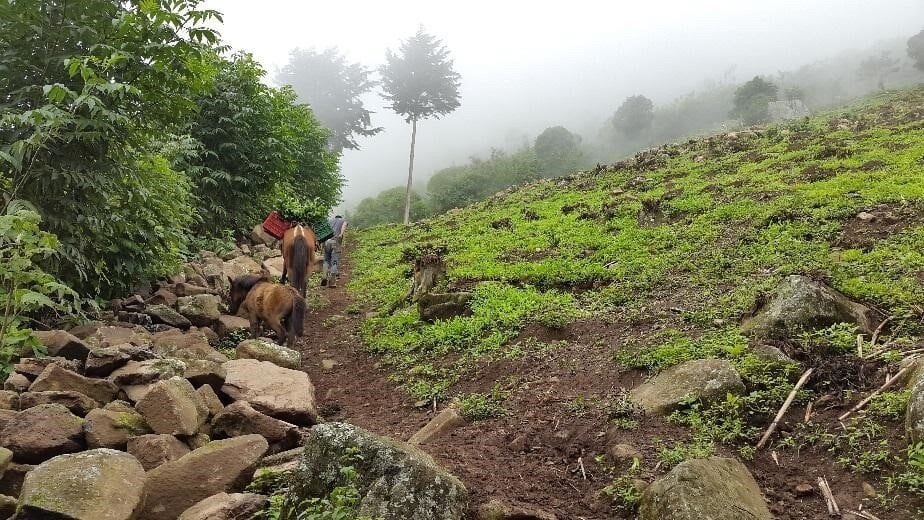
(637, 124)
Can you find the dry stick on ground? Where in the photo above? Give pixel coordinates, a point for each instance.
(808, 411)
(860, 346)
(879, 390)
(786, 404)
(861, 514)
(833, 510)
(878, 330)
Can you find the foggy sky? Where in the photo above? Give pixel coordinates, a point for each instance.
(527, 65)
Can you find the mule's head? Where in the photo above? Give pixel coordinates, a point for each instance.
(240, 287)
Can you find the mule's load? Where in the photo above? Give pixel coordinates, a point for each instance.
(276, 226)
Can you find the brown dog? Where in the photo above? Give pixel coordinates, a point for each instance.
(269, 303)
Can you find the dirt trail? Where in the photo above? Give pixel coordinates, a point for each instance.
(542, 452)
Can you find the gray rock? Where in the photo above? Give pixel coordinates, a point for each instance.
(705, 379)
(94, 485)
(42, 432)
(108, 336)
(163, 296)
(192, 345)
(147, 372)
(236, 506)
(173, 407)
(205, 372)
(76, 402)
(57, 378)
(33, 367)
(155, 449)
(113, 429)
(443, 306)
(16, 382)
(162, 314)
(229, 324)
(446, 421)
(240, 418)
(278, 392)
(202, 310)
(395, 480)
(800, 303)
(914, 415)
(63, 344)
(715, 488)
(218, 467)
(262, 349)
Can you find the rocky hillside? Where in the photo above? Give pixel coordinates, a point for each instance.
(618, 342)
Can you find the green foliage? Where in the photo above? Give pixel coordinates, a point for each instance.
(26, 290)
(700, 448)
(916, 49)
(889, 405)
(334, 89)
(387, 208)
(90, 90)
(478, 406)
(340, 504)
(751, 100)
(624, 490)
(419, 82)
(558, 151)
(912, 478)
(260, 150)
(458, 186)
(840, 338)
(634, 116)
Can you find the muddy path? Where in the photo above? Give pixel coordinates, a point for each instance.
(547, 450)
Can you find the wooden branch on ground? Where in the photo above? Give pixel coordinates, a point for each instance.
(861, 514)
(833, 510)
(878, 330)
(860, 346)
(786, 404)
(808, 411)
(878, 391)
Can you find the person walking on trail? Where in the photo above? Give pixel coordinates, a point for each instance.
(333, 249)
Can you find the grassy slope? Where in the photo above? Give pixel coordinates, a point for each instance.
(682, 240)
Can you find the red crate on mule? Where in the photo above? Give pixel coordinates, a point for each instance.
(275, 225)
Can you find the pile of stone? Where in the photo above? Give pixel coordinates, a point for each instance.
(194, 296)
(122, 423)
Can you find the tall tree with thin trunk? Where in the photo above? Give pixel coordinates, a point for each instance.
(419, 83)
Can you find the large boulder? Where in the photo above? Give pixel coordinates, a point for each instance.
(205, 372)
(113, 428)
(241, 265)
(152, 450)
(395, 481)
(800, 303)
(230, 324)
(715, 488)
(263, 349)
(274, 266)
(57, 378)
(211, 400)
(704, 379)
(62, 343)
(443, 306)
(218, 467)
(145, 372)
(203, 310)
(9, 400)
(103, 360)
(16, 382)
(164, 296)
(33, 367)
(278, 392)
(236, 506)
(173, 407)
(42, 432)
(13, 477)
(259, 236)
(76, 402)
(240, 418)
(186, 346)
(160, 313)
(98, 484)
(109, 336)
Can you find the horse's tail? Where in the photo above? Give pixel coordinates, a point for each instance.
(297, 318)
(300, 255)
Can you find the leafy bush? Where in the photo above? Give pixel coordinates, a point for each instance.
(26, 291)
(477, 407)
